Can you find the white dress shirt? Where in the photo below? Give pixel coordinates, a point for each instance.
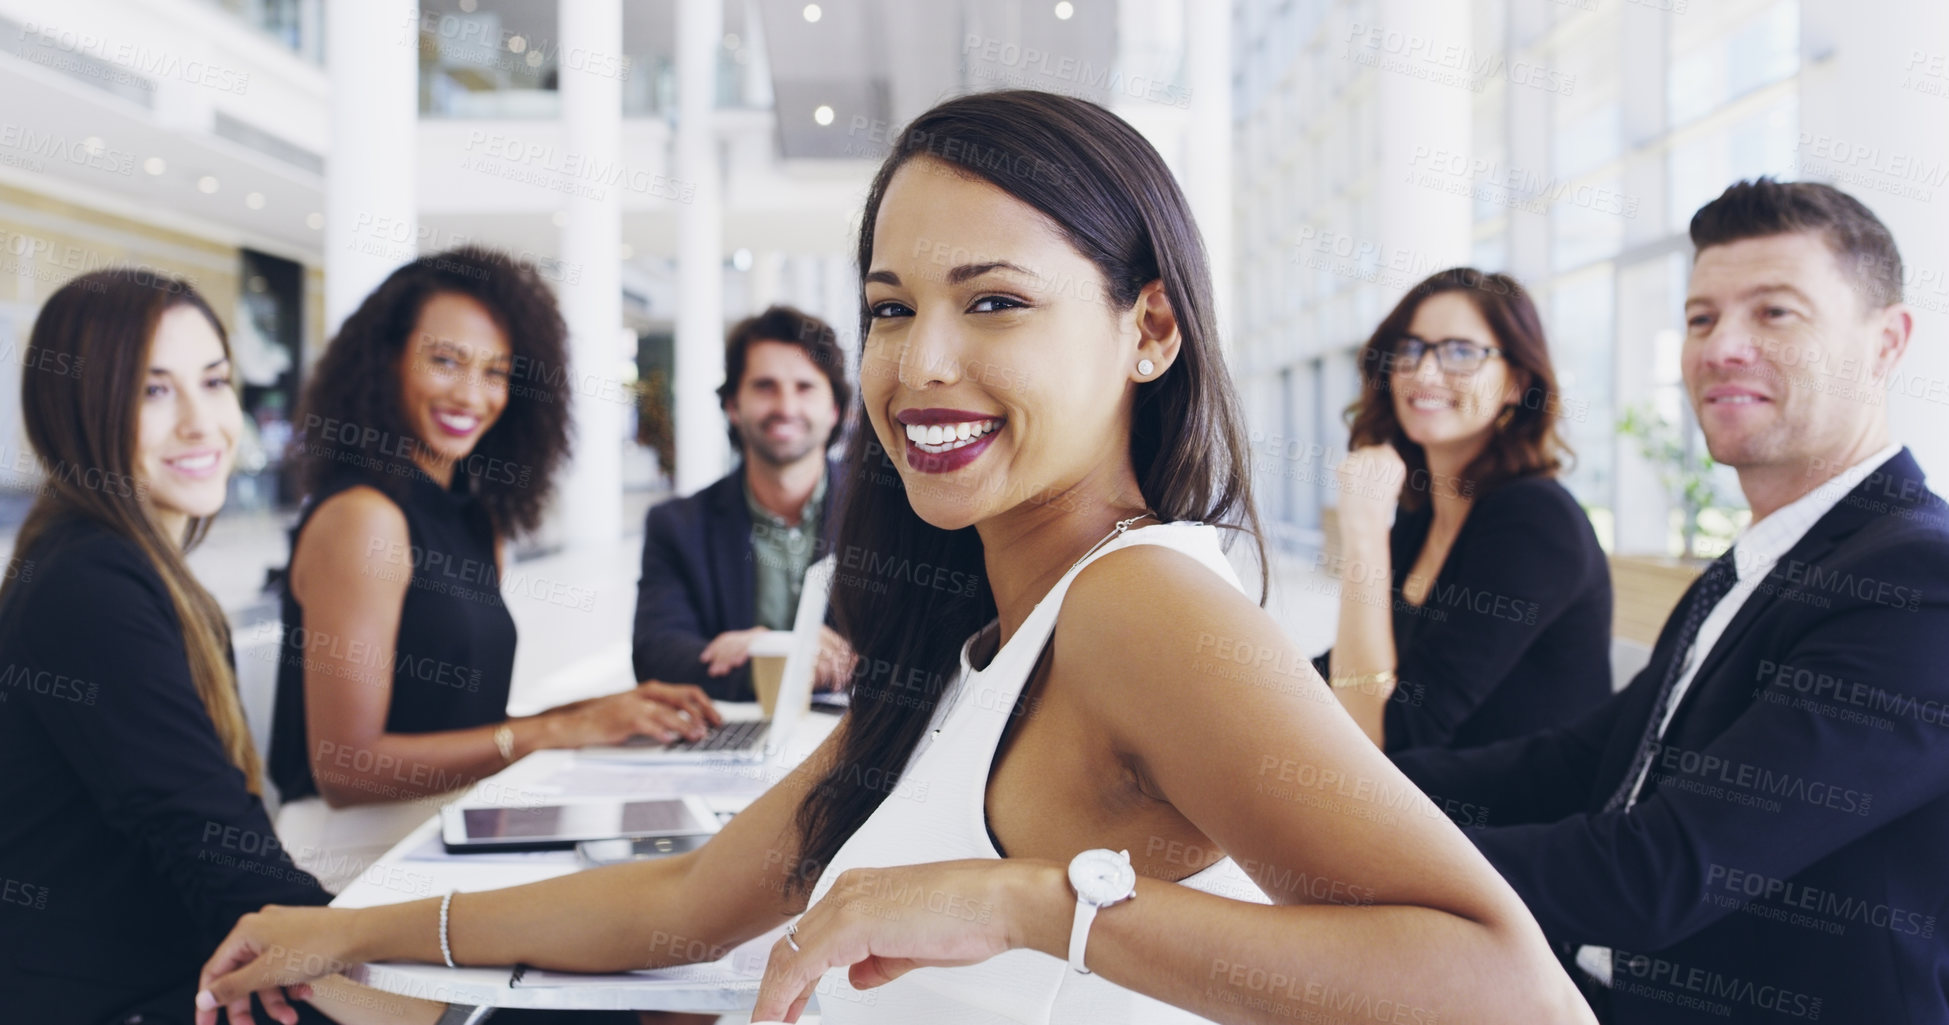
(1753, 557)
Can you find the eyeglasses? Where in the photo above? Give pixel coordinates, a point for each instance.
(1457, 356)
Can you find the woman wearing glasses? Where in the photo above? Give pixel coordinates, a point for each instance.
(1485, 612)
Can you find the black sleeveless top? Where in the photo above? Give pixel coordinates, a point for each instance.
(454, 658)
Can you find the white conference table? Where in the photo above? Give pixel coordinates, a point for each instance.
(418, 866)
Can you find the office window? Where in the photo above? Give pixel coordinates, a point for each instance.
(1723, 52)
(1587, 143)
(1705, 162)
(1582, 321)
(1586, 222)
(1490, 253)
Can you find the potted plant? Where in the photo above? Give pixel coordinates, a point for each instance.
(1648, 587)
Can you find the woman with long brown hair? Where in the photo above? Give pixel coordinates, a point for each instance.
(1484, 612)
(134, 836)
(1050, 415)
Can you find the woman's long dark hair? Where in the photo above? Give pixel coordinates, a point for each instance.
(83, 422)
(351, 417)
(1114, 199)
(1525, 442)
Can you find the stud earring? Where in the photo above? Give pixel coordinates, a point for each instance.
(1144, 367)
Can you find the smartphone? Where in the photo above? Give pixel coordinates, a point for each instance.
(611, 852)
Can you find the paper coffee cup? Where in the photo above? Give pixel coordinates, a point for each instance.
(768, 653)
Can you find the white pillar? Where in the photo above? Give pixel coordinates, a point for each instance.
(1430, 224)
(1208, 148)
(840, 300)
(590, 506)
(767, 266)
(372, 50)
(700, 250)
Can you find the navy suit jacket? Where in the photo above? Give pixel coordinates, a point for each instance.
(1788, 857)
(699, 581)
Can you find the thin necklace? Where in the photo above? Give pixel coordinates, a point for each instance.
(1115, 532)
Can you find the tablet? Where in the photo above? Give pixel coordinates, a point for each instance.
(562, 826)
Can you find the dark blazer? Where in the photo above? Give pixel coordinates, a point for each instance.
(1786, 858)
(1514, 634)
(129, 846)
(698, 581)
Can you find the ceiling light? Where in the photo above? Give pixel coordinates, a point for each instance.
(731, 41)
(812, 12)
(560, 218)
(154, 165)
(314, 220)
(255, 201)
(206, 184)
(1065, 10)
(822, 114)
(741, 259)
(626, 251)
(516, 44)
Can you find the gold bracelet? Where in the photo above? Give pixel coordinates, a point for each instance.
(1384, 678)
(504, 742)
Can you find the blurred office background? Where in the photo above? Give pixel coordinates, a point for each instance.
(672, 165)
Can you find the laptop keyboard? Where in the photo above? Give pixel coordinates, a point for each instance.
(732, 736)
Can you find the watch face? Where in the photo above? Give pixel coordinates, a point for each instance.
(1102, 877)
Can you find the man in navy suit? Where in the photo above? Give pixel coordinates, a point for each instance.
(1757, 828)
(724, 565)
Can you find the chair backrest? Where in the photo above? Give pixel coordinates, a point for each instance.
(258, 643)
(1628, 657)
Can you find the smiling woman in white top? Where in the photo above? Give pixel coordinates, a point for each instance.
(1103, 752)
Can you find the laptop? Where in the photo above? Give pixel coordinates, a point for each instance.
(749, 740)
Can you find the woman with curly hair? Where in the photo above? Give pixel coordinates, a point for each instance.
(432, 430)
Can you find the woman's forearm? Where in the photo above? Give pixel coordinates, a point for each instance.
(612, 919)
(1238, 962)
(349, 1003)
(404, 766)
(1364, 638)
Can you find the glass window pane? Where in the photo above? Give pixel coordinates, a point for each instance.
(1582, 327)
(1704, 164)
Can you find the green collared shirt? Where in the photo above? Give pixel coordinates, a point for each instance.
(780, 554)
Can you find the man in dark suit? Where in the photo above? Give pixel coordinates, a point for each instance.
(1756, 829)
(724, 565)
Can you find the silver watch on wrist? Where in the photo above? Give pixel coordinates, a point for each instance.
(1100, 878)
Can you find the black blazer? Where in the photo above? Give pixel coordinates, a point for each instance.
(129, 846)
(698, 581)
(1788, 858)
(1514, 634)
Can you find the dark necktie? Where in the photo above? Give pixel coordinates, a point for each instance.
(1713, 586)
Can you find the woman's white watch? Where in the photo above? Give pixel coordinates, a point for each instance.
(1100, 878)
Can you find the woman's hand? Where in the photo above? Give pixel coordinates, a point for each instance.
(684, 697)
(1370, 481)
(654, 709)
(884, 923)
(273, 948)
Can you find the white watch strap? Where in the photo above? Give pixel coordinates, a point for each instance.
(1079, 934)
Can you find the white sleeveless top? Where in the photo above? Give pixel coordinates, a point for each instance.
(937, 812)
